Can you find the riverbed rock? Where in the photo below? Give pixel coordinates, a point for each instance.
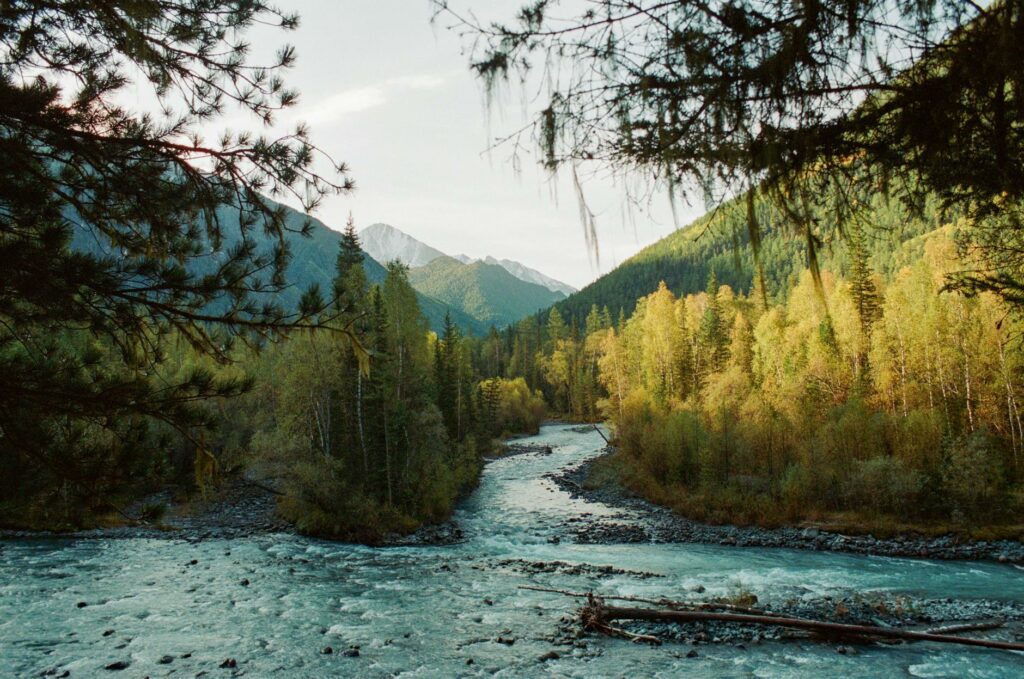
(229, 663)
(166, 659)
(118, 665)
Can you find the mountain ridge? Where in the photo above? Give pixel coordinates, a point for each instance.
(487, 292)
(385, 243)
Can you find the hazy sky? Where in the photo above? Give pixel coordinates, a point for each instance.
(391, 95)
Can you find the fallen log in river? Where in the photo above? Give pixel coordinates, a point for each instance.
(596, 615)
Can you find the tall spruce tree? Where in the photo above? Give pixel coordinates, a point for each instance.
(862, 284)
(446, 371)
(713, 334)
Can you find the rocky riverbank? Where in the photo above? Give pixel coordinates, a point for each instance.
(238, 508)
(242, 507)
(659, 524)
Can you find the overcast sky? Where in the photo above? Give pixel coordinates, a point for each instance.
(391, 95)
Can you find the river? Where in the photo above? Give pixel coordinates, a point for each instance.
(274, 603)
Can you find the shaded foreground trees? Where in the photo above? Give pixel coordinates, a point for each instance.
(115, 225)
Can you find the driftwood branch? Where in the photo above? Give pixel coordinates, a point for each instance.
(668, 603)
(598, 430)
(601, 614)
(597, 616)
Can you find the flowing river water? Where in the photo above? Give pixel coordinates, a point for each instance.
(273, 603)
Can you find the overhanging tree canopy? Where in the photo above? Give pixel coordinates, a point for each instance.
(150, 202)
(786, 96)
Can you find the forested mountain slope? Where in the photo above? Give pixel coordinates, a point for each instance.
(719, 242)
(313, 261)
(525, 273)
(487, 292)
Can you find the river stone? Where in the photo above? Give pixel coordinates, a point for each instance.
(118, 665)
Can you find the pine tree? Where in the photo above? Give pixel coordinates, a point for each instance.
(489, 400)
(447, 373)
(713, 338)
(556, 329)
(350, 277)
(862, 284)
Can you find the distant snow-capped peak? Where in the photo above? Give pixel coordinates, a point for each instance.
(385, 243)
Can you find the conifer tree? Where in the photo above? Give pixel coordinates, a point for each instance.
(350, 280)
(556, 329)
(862, 284)
(713, 337)
(447, 374)
(595, 321)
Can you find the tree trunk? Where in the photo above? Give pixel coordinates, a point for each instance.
(359, 419)
(596, 614)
